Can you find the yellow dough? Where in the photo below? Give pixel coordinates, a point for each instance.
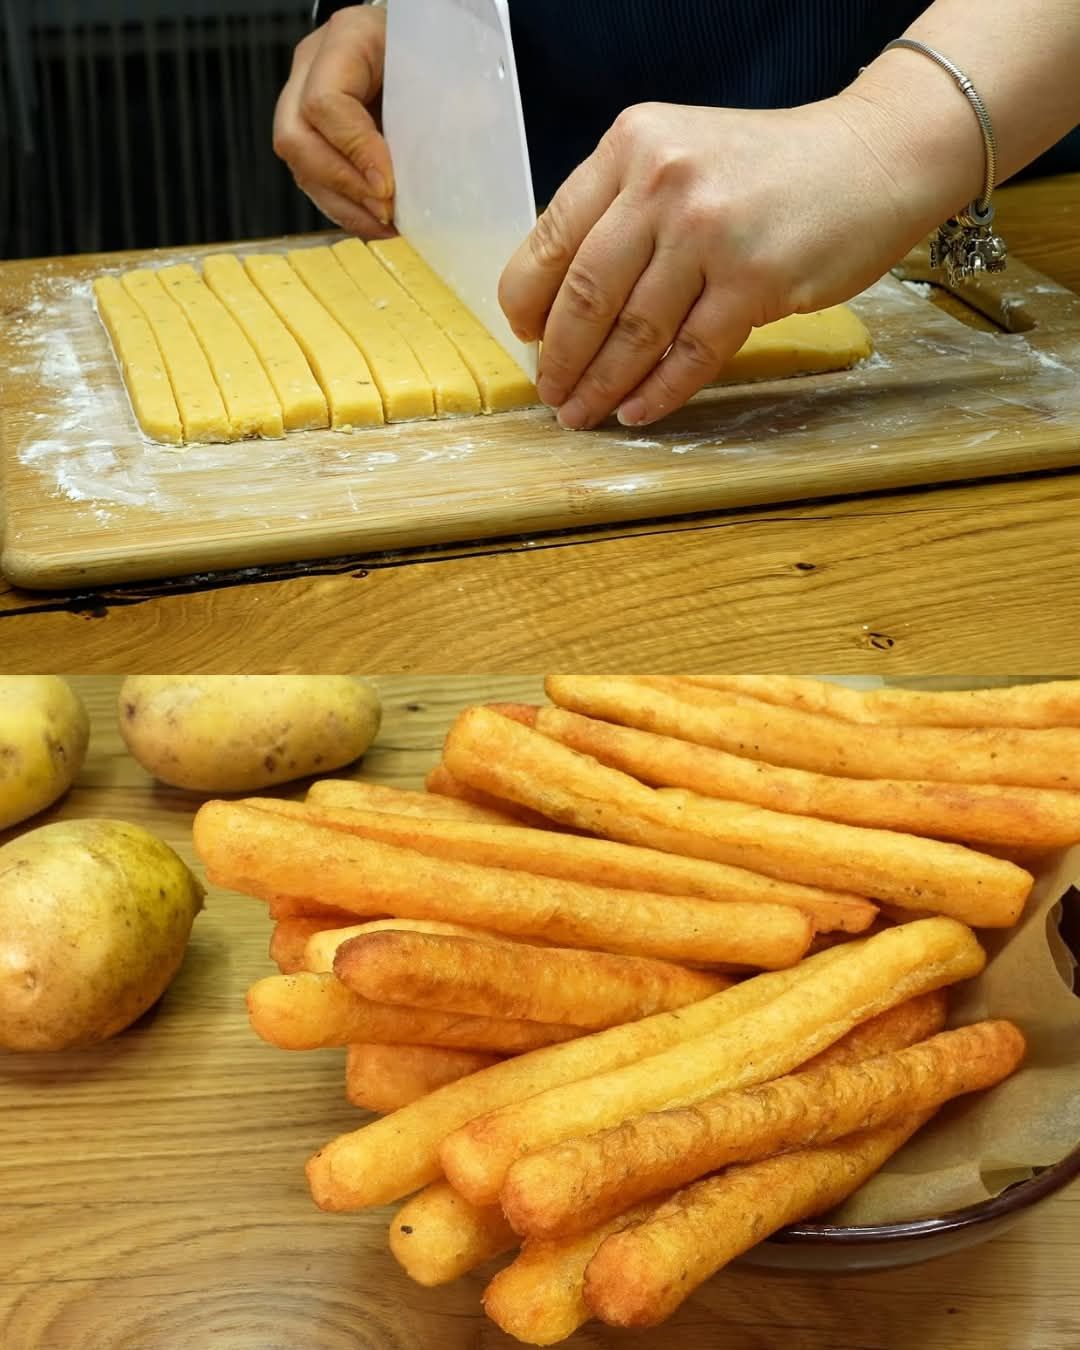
(337, 361)
(801, 344)
(502, 382)
(140, 359)
(451, 383)
(303, 406)
(197, 397)
(247, 393)
(405, 389)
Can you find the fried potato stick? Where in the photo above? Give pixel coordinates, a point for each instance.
(539, 1297)
(804, 740)
(288, 942)
(638, 1277)
(863, 979)
(599, 862)
(310, 1012)
(1053, 704)
(383, 1078)
(389, 1158)
(295, 907)
(266, 851)
(322, 947)
(356, 795)
(548, 984)
(969, 814)
(585, 1181)
(441, 782)
(437, 1236)
(495, 752)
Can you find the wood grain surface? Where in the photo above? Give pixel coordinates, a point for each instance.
(152, 1194)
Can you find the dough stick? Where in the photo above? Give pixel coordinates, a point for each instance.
(384, 1078)
(404, 387)
(194, 388)
(337, 361)
(451, 383)
(303, 405)
(501, 381)
(575, 1185)
(441, 782)
(289, 940)
(322, 946)
(249, 398)
(800, 344)
(141, 362)
(437, 1236)
(355, 795)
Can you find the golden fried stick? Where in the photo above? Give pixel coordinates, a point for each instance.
(289, 939)
(499, 754)
(359, 796)
(638, 1277)
(1055, 703)
(441, 782)
(804, 740)
(384, 1078)
(575, 1185)
(536, 984)
(973, 814)
(322, 946)
(437, 1236)
(863, 978)
(310, 1012)
(262, 850)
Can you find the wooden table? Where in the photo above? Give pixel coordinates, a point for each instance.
(152, 1194)
(956, 579)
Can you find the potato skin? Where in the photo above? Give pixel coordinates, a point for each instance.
(95, 916)
(238, 733)
(44, 731)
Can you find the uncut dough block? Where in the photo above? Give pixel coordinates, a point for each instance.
(303, 405)
(198, 399)
(247, 393)
(451, 383)
(502, 382)
(337, 361)
(140, 359)
(405, 389)
(801, 344)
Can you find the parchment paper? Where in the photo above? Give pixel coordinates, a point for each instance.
(978, 1145)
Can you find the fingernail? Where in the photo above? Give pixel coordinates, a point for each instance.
(633, 413)
(572, 416)
(377, 183)
(550, 392)
(380, 210)
(521, 334)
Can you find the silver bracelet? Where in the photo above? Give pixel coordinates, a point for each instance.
(966, 245)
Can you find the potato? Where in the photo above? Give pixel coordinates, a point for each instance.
(236, 733)
(94, 919)
(44, 731)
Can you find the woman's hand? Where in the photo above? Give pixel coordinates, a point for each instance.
(689, 226)
(323, 129)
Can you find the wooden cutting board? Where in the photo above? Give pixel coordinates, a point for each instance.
(89, 502)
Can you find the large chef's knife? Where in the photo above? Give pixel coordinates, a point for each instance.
(452, 118)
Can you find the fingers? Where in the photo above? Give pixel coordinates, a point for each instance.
(355, 219)
(710, 336)
(319, 169)
(535, 273)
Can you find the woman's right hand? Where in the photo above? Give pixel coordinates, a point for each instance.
(323, 128)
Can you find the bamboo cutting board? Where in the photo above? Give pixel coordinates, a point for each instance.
(89, 502)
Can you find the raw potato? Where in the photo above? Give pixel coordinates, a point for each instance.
(234, 733)
(44, 732)
(94, 919)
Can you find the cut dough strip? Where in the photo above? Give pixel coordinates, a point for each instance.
(197, 396)
(337, 361)
(140, 359)
(303, 405)
(451, 383)
(502, 382)
(405, 389)
(801, 344)
(248, 395)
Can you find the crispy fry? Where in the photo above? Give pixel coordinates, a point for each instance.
(862, 979)
(387, 1159)
(976, 814)
(599, 862)
(924, 874)
(308, 1012)
(539, 1297)
(441, 782)
(289, 940)
(264, 850)
(804, 740)
(437, 1236)
(550, 984)
(640, 1276)
(915, 1020)
(291, 907)
(359, 796)
(585, 1181)
(322, 946)
(1053, 704)
(384, 1078)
